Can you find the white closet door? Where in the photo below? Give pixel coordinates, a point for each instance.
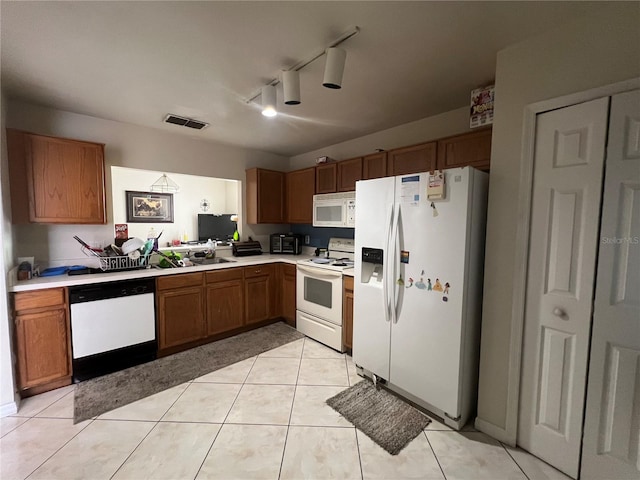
(567, 186)
(612, 420)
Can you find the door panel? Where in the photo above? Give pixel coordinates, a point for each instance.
(612, 419)
(567, 184)
(371, 329)
(424, 363)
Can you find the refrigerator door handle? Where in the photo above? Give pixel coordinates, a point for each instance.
(395, 259)
(385, 268)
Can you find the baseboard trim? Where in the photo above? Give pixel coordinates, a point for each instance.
(494, 431)
(8, 409)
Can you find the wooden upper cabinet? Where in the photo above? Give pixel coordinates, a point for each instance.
(56, 180)
(300, 189)
(471, 149)
(414, 159)
(326, 178)
(265, 193)
(374, 166)
(349, 172)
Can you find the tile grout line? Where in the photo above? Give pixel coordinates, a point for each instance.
(359, 456)
(295, 389)
(61, 447)
(434, 454)
(224, 421)
(514, 460)
(157, 422)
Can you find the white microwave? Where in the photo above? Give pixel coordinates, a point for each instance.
(334, 210)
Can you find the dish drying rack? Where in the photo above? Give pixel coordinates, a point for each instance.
(117, 263)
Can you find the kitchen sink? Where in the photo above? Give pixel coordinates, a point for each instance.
(210, 261)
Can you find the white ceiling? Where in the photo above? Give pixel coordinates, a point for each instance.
(137, 61)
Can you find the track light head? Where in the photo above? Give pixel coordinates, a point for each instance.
(291, 87)
(334, 68)
(269, 101)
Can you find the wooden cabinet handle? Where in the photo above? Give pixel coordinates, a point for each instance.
(259, 270)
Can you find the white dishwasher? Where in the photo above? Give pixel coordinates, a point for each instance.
(113, 326)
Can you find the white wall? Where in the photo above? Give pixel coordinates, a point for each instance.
(130, 146)
(221, 194)
(592, 51)
(424, 130)
(7, 387)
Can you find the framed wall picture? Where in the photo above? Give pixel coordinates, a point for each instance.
(149, 207)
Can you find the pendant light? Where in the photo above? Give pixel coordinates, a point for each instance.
(165, 185)
(269, 101)
(291, 87)
(334, 68)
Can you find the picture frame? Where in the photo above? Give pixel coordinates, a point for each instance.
(149, 207)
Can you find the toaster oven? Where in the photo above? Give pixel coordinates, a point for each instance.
(289, 243)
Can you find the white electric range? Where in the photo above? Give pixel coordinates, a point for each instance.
(319, 293)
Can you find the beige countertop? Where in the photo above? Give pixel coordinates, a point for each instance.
(40, 283)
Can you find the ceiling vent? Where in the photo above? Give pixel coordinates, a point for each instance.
(185, 122)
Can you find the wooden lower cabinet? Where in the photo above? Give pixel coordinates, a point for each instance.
(225, 301)
(180, 316)
(289, 293)
(42, 340)
(259, 293)
(347, 313)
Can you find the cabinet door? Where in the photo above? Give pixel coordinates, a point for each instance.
(42, 347)
(407, 160)
(289, 294)
(374, 166)
(180, 316)
(265, 191)
(65, 180)
(225, 306)
(301, 186)
(326, 178)
(472, 149)
(347, 313)
(349, 172)
(259, 293)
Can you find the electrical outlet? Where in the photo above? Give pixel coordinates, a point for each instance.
(307, 239)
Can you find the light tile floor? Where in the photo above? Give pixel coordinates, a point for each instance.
(262, 418)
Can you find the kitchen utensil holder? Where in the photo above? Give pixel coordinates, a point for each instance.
(114, 264)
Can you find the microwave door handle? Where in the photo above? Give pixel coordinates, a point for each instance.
(318, 272)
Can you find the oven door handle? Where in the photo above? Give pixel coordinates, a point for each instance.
(318, 272)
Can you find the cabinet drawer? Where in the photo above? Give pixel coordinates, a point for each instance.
(39, 299)
(179, 281)
(347, 282)
(224, 275)
(257, 271)
(288, 269)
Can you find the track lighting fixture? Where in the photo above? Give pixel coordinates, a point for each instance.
(291, 87)
(334, 68)
(290, 78)
(269, 101)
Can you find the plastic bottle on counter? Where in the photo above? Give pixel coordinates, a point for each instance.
(152, 235)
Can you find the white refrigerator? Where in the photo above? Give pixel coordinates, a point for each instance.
(418, 287)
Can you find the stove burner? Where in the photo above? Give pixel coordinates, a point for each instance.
(339, 264)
